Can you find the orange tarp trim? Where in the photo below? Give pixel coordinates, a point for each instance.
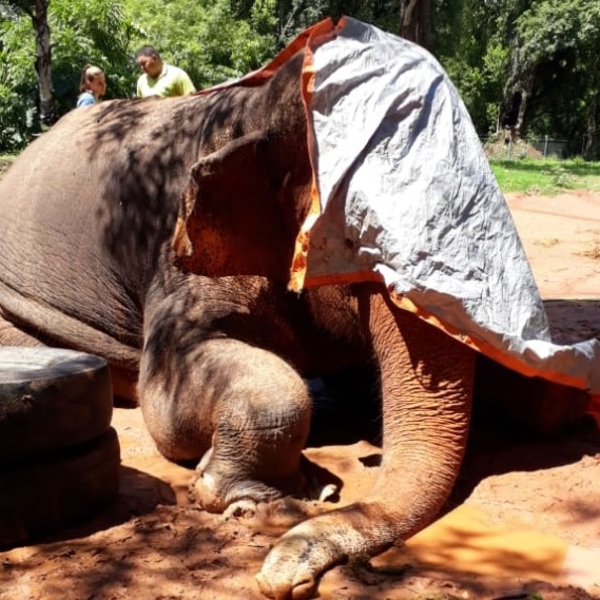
(322, 31)
(476, 344)
(485, 348)
(319, 34)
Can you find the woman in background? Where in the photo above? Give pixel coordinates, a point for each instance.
(92, 86)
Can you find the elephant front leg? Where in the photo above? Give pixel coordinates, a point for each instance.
(240, 410)
(253, 458)
(426, 383)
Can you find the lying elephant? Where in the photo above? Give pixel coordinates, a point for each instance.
(159, 235)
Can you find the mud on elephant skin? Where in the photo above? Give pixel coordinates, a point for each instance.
(158, 234)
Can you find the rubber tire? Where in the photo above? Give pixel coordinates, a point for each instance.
(41, 497)
(51, 399)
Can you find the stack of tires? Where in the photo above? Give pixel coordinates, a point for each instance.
(59, 456)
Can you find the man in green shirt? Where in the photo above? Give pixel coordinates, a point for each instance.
(159, 78)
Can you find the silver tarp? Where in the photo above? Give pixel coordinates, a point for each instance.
(407, 192)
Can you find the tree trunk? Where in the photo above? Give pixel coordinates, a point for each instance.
(589, 148)
(43, 62)
(526, 89)
(415, 22)
(515, 106)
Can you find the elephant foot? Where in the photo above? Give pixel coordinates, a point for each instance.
(221, 486)
(291, 569)
(231, 496)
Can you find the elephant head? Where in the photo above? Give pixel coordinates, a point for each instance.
(242, 214)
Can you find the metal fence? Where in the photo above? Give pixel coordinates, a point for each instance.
(499, 147)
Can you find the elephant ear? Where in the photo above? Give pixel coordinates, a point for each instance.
(231, 219)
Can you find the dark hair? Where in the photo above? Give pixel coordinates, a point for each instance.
(147, 50)
(88, 74)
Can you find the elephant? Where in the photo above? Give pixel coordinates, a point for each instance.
(158, 234)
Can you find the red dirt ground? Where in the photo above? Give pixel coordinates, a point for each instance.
(524, 518)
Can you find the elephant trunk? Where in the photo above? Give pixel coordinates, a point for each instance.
(427, 387)
(426, 384)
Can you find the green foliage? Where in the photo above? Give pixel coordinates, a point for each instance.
(552, 28)
(18, 89)
(224, 39)
(545, 49)
(95, 32)
(557, 45)
(488, 48)
(475, 59)
(232, 47)
(293, 16)
(82, 31)
(212, 44)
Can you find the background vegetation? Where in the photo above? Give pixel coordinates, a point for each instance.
(546, 177)
(523, 67)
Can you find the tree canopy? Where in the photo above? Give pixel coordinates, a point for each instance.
(527, 67)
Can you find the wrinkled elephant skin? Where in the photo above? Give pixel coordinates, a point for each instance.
(159, 234)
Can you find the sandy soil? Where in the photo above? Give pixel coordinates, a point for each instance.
(524, 518)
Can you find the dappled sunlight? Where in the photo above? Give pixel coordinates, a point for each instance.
(467, 539)
(159, 554)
